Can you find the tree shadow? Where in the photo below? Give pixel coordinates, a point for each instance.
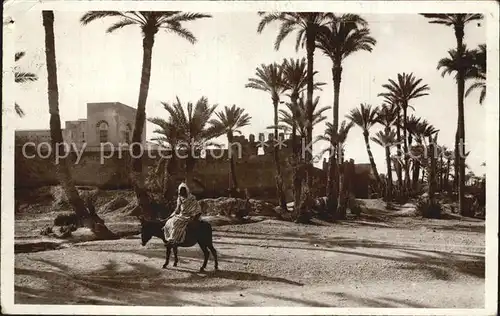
(158, 251)
(330, 242)
(436, 261)
(384, 302)
(460, 228)
(142, 285)
(249, 276)
(238, 276)
(300, 301)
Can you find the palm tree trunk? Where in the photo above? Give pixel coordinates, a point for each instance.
(447, 175)
(441, 172)
(370, 156)
(333, 173)
(310, 90)
(87, 217)
(234, 184)
(398, 146)
(161, 169)
(140, 117)
(416, 172)
(297, 181)
(460, 140)
(432, 173)
(306, 201)
(189, 164)
(171, 165)
(279, 176)
(389, 174)
(455, 164)
(407, 165)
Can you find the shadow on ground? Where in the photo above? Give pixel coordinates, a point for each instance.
(439, 263)
(142, 285)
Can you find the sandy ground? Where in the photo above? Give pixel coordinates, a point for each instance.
(396, 262)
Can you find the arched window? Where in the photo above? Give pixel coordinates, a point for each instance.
(102, 128)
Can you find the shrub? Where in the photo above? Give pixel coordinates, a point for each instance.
(428, 209)
(46, 231)
(354, 205)
(66, 219)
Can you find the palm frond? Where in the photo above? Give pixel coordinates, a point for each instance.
(95, 15)
(19, 55)
(120, 24)
(21, 77)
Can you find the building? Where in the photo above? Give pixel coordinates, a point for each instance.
(106, 122)
(36, 136)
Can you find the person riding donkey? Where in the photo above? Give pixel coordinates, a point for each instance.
(186, 210)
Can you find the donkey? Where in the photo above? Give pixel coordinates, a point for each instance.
(197, 231)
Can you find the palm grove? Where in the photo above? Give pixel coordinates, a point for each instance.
(406, 138)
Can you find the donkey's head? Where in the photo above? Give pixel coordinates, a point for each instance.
(146, 234)
(149, 229)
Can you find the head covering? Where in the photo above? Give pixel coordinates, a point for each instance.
(183, 185)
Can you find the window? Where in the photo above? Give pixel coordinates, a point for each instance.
(102, 128)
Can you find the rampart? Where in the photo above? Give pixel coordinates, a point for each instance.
(253, 158)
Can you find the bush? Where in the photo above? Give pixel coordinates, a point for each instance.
(354, 206)
(428, 209)
(66, 219)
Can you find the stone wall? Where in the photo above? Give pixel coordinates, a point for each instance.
(254, 172)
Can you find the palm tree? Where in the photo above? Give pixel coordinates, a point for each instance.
(388, 116)
(478, 73)
(442, 169)
(458, 22)
(150, 22)
(230, 121)
(195, 129)
(341, 38)
(269, 78)
(412, 127)
(308, 26)
(337, 138)
(432, 134)
(454, 64)
(297, 115)
(406, 88)
(168, 137)
(423, 130)
(295, 75)
(22, 77)
(295, 118)
(87, 216)
(365, 117)
(394, 104)
(387, 139)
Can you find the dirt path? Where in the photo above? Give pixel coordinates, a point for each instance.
(272, 263)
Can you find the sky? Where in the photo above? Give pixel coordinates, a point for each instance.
(94, 66)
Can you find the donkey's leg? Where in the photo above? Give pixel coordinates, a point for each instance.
(176, 260)
(167, 256)
(206, 254)
(214, 254)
